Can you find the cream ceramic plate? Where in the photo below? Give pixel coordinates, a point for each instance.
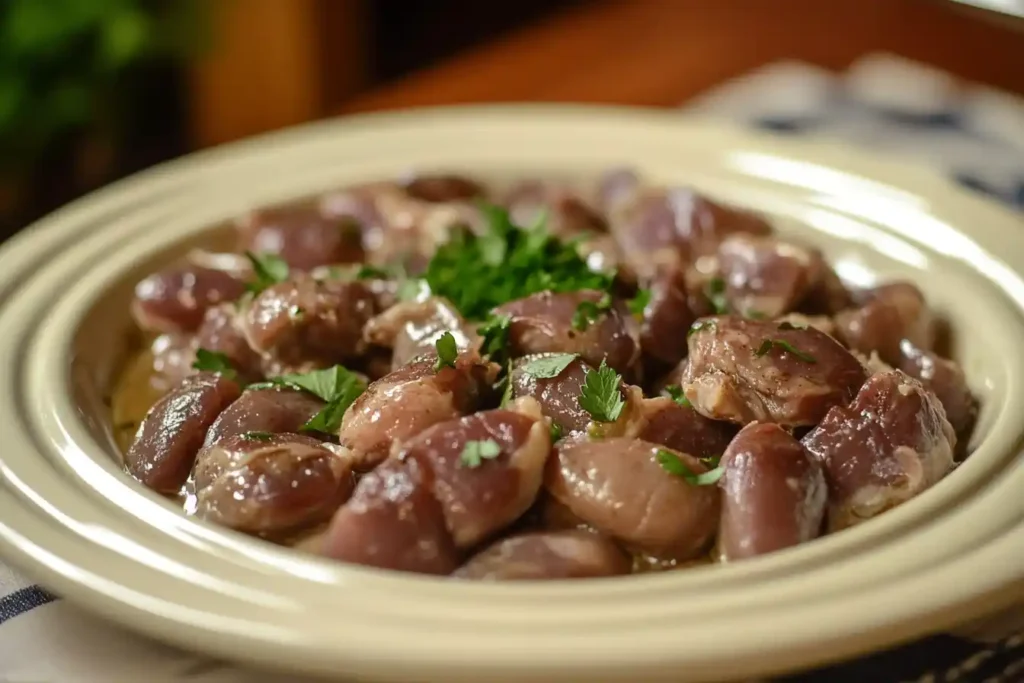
(69, 517)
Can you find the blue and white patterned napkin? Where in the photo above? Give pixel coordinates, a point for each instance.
(974, 135)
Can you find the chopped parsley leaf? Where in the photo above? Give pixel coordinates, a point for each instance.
(447, 351)
(267, 269)
(257, 436)
(337, 386)
(699, 326)
(213, 361)
(475, 452)
(506, 384)
(675, 392)
(638, 304)
(714, 290)
(673, 464)
(549, 366)
(494, 332)
(785, 347)
(600, 395)
(368, 272)
(556, 432)
(589, 311)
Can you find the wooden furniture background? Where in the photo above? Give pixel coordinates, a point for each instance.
(285, 61)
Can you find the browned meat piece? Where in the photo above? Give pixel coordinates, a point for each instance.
(745, 370)
(557, 395)
(547, 555)
(487, 469)
(443, 188)
(602, 254)
(676, 226)
(303, 236)
(269, 411)
(565, 214)
(392, 521)
(174, 428)
(616, 188)
(887, 446)
(411, 329)
(774, 493)
(892, 313)
(666, 318)
(221, 332)
(356, 206)
(400, 405)
(617, 486)
(543, 323)
(175, 299)
(173, 355)
(683, 429)
(309, 321)
(268, 484)
(767, 277)
(946, 379)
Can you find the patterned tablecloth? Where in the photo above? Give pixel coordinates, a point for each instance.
(973, 134)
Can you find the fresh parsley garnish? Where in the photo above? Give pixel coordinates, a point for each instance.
(786, 325)
(213, 361)
(556, 432)
(337, 386)
(267, 269)
(494, 333)
(257, 436)
(714, 290)
(675, 392)
(465, 269)
(447, 351)
(589, 311)
(754, 314)
(673, 464)
(600, 395)
(368, 272)
(410, 289)
(506, 384)
(548, 366)
(638, 303)
(699, 326)
(784, 346)
(475, 452)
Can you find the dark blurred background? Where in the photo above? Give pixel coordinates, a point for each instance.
(93, 90)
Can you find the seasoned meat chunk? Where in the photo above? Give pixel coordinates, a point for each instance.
(746, 370)
(392, 521)
(309, 321)
(601, 483)
(773, 493)
(269, 411)
(411, 328)
(487, 469)
(946, 380)
(543, 323)
(221, 332)
(547, 555)
(892, 313)
(443, 188)
(818, 322)
(407, 401)
(270, 484)
(615, 188)
(175, 299)
(666, 317)
(168, 439)
(564, 212)
(676, 226)
(890, 444)
(304, 236)
(768, 277)
(683, 429)
(558, 395)
(173, 355)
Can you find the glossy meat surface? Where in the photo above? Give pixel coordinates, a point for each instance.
(547, 555)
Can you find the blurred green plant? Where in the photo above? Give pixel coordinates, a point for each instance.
(63, 64)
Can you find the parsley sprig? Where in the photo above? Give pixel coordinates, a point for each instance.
(784, 346)
(475, 452)
(673, 464)
(214, 361)
(548, 366)
(267, 270)
(715, 292)
(447, 351)
(600, 395)
(465, 270)
(587, 312)
(638, 304)
(675, 392)
(494, 333)
(337, 386)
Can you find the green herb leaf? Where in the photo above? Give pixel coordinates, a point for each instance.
(785, 347)
(601, 396)
(550, 366)
(754, 314)
(268, 270)
(675, 392)
(464, 271)
(638, 304)
(494, 332)
(589, 311)
(699, 326)
(556, 432)
(506, 392)
(257, 436)
(213, 361)
(475, 452)
(368, 272)
(714, 290)
(411, 289)
(447, 351)
(673, 464)
(337, 386)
